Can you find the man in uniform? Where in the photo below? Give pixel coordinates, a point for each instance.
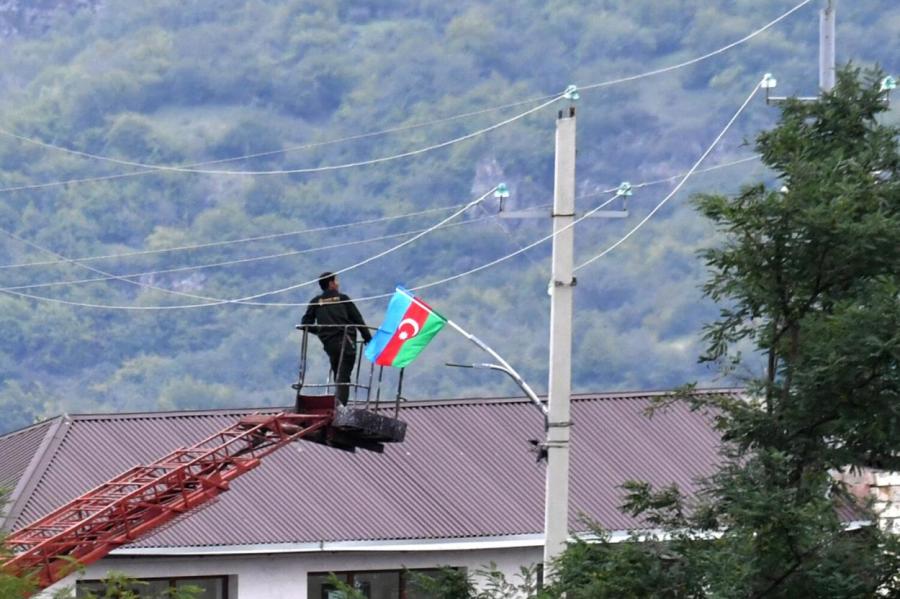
(339, 320)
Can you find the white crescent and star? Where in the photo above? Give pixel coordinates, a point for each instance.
(404, 335)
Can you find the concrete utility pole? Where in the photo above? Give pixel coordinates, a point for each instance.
(562, 282)
(827, 47)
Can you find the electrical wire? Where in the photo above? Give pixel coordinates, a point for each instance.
(13, 291)
(508, 234)
(210, 301)
(250, 156)
(38, 247)
(210, 244)
(338, 226)
(243, 260)
(155, 168)
(295, 171)
(680, 184)
(519, 251)
(304, 304)
(471, 204)
(73, 181)
(587, 214)
(708, 169)
(286, 254)
(504, 230)
(706, 56)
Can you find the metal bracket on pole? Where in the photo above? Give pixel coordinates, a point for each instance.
(571, 283)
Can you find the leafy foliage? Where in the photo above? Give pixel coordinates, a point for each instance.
(166, 83)
(486, 583)
(115, 586)
(447, 583)
(10, 585)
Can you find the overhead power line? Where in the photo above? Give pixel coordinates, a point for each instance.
(211, 301)
(246, 156)
(521, 250)
(471, 204)
(706, 56)
(271, 236)
(671, 178)
(248, 260)
(588, 214)
(294, 171)
(680, 184)
(267, 237)
(14, 290)
(150, 168)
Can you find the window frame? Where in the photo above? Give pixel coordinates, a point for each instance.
(172, 582)
(348, 576)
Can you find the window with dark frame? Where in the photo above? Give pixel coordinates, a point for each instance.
(213, 587)
(372, 584)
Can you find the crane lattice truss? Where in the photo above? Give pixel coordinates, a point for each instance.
(145, 497)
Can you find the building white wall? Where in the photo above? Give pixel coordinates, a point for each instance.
(284, 575)
(879, 486)
(886, 494)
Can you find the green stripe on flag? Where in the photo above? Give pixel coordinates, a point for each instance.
(414, 346)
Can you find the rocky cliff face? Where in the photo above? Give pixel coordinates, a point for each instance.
(34, 17)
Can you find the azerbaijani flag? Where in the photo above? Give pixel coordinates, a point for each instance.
(407, 328)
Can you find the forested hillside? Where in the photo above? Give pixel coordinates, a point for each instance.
(292, 85)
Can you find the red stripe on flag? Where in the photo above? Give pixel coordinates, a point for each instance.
(414, 314)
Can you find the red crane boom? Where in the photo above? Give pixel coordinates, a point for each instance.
(145, 497)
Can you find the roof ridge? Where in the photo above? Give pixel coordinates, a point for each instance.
(31, 426)
(575, 396)
(37, 465)
(408, 404)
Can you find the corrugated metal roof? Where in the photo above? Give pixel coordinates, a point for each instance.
(463, 471)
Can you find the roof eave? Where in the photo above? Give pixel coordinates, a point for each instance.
(390, 545)
(397, 545)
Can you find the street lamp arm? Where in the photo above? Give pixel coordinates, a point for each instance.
(503, 366)
(515, 377)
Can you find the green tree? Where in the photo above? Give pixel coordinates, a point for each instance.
(808, 283)
(10, 584)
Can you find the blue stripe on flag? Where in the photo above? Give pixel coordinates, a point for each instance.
(397, 307)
